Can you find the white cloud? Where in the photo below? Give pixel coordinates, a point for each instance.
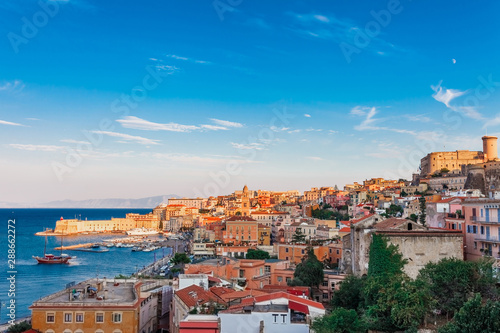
(226, 123)
(307, 115)
(214, 127)
(176, 57)
(127, 137)
(314, 158)
(75, 141)
(4, 122)
(142, 124)
(200, 160)
(249, 146)
(445, 96)
(419, 118)
(15, 86)
(279, 129)
(30, 147)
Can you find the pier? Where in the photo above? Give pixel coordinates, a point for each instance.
(76, 246)
(154, 268)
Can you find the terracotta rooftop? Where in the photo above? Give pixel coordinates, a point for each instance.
(391, 223)
(240, 218)
(281, 294)
(193, 295)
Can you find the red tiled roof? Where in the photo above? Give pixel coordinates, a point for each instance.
(281, 294)
(194, 294)
(345, 229)
(240, 218)
(362, 218)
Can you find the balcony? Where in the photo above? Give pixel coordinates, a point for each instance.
(482, 220)
(490, 239)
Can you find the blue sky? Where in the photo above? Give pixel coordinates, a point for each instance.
(131, 99)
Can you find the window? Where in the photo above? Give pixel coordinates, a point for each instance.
(68, 317)
(338, 251)
(482, 230)
(286, 250)
(51, 317)
(288, 279)
(280, 278)
(325, 296)
(117, 317)
(79, 317)
(475, 245)
(325, 284)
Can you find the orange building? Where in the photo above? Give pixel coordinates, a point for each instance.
(241, 229)
(295, 252)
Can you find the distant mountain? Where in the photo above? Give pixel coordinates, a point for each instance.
(149, 202)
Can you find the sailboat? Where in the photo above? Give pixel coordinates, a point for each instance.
(52, 259)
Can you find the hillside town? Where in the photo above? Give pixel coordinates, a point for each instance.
(240, 266)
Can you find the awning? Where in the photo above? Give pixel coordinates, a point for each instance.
(298, 307)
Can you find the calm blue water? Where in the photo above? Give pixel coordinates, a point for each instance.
(34, 281)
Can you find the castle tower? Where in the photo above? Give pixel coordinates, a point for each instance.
(490, 149)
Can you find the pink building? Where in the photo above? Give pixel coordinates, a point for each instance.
(482, 228)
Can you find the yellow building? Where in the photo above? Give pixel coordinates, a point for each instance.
(131, 221)
(96, 306)
(264, 235)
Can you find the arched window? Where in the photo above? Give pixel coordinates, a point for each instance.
(117, 331)
(51, 331)
(78, 331)
(99, 331)
(67, 331)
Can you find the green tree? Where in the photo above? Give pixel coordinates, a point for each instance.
(19, 327)
(393, 210)
(451, 281)
(298, 236)
(161, 226)
(238, 214)
(309, 272)
(444, 170)
(422, 216)
(474, 317)
(257, 254)
(350, 294)
(339, 321)
(414, 217)
(180, 258)
(403, 193)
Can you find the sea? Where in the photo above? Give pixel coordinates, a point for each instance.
(33, 281)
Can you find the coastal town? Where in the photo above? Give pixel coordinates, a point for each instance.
(284, 261)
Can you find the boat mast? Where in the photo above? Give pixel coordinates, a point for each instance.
(45, 246)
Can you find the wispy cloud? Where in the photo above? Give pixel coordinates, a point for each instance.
(248, 146)
(226, 123)
(142, 124)
(30, 147)
(12, 87)
(369, 122)
(176, 57)
(75, 141)
(214, 127)
(307, 115)
(418, 118)
(339, 30)
(33, 119)
(4, 122)
(127, 137)
(314, 158)
(445, 96)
